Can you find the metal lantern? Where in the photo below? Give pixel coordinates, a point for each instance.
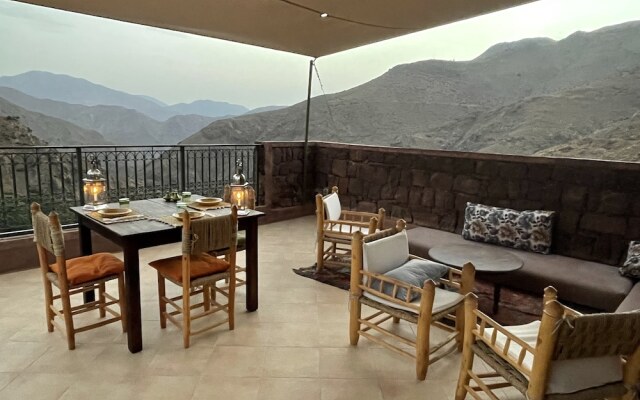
(239, 190)
(95, 188)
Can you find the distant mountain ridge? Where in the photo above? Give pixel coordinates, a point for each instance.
(520, 98)
(68, 89)
(117, 124)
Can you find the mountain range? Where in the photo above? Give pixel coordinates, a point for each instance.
(524, 97)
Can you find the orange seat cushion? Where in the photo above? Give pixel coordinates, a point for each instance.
(201, 265)
(89, 268)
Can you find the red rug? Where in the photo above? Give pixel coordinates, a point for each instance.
(515, 308)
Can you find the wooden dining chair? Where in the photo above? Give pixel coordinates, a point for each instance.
(564, 356)
(197, 272)
(377, 255)
(335, 229)
(74, 277)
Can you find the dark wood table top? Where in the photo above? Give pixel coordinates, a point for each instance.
(152, 208)
(485, 258)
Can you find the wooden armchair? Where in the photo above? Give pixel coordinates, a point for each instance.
(378, 253)
(73, 277)
(197, 272)
(564, 356)
(335, 229)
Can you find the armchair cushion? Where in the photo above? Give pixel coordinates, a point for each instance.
(332, 206)
(442, 300)
(566, 376)
(631, 267)
(414, 272)
(89, 268)
(383, 255)
(524, 230)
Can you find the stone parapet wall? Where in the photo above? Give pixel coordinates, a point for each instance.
(598, 202)
(283, 179)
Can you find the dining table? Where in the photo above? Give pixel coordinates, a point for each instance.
(133, 235)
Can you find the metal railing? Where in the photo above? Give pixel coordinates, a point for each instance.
(52, 175)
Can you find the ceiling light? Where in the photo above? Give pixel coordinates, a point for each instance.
(324, 15)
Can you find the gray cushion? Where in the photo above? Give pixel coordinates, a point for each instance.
(631, 267)
(524, 230)
(414, 272)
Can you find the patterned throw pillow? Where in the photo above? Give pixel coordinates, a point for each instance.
(524, 230)
(631, 267)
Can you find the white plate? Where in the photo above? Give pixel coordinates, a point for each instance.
(114, 212)
(192, 214)
(209, 201)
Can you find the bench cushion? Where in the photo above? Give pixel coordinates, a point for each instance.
(587, 283)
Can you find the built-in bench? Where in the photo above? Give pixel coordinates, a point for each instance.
(587, 283)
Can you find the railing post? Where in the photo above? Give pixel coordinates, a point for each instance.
(183, 169)
(80, 176)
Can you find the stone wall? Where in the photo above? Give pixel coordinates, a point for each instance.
(282, 181)
(598, 202)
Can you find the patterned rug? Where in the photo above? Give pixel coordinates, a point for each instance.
(516, 308)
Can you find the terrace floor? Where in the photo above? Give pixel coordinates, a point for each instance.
(295, 346)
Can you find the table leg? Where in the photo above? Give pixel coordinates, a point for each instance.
(86, 249)
(132, 291)
(496, 297)
(252, 265)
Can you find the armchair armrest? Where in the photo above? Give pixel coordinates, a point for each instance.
(360, 216)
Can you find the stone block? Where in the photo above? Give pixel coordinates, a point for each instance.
(352, 170)
(339, 168)
(633, 229)
(567, 221)
(357, 155)
(574, 197)
(428, 197)
(367, 206)
(513, 189)
(464, 166)
(427, 219)
(372, 191)
(405, 178)
(388, 192)
(343, 185)
(462, 199)
(466, 184)
(356, 187)
(525, 204)
(444, 199)
(513, 170)
(539, 172)
(440, 164)
(415, 195)
(394, 177)
(442, 181)
(380, 176)
(375, 156)
(420, 178)
(401, 212)
(497, 189)
(613, 203)
(323, 164)
(487, 168)
(603, 224)
(448, 222)
(402, 195)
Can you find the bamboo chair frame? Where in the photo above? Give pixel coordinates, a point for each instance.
(205, 286)
(50, 279)
(363, 282)
(532, 382)
(332, 232)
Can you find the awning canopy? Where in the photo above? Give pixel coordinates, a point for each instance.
(294, 26)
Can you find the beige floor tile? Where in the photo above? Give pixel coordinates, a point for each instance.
(227, 388)
(6, 378)
(179, 361)
(167, 387)
(94, 384)
(18, 356)
(292, 362)
(62, 360)
(346, 363)
(37, 386)
(401, 389)
(293, 334)
(236, 361)
(289, 389)
(349, 389)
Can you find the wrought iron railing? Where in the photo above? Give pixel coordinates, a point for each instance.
(52, 175)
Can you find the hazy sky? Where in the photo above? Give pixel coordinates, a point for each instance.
(177, 67)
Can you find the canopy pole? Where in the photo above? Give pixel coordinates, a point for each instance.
(306, 136)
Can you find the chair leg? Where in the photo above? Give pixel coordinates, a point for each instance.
(422, 348)
(206, 297)
(186, 316)
(396, 320)
(68, 320)
(231, 305)
(320, 255)
(102, 300)
(48, 302)
(122, 301)
(163, 304)
(459, 327)
(464, 377)
(355, 313)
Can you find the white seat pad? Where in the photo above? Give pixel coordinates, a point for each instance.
(443, 300)
(567, 376)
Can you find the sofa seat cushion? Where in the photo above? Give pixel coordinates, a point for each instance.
(587, 283)
(632, 301)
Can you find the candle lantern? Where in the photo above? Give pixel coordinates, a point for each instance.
(95, 188)
(239, 190)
